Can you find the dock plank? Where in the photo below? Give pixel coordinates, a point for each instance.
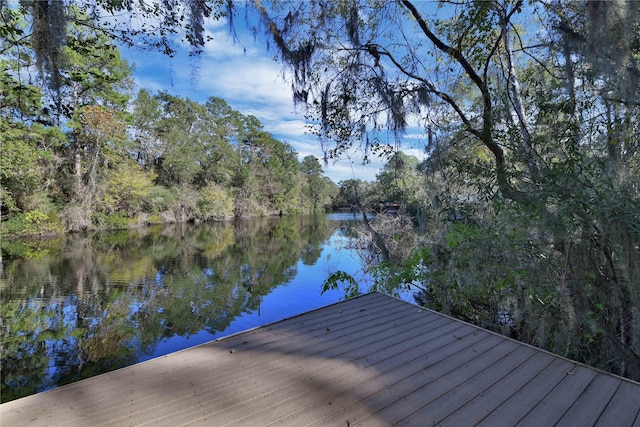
(525, 399)
(553, 407)
(371, 360)
(616, 413)
(496, 394)
(438, 409)
(355, 402)
(414, 391)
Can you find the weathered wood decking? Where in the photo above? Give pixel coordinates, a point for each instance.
(371, 360)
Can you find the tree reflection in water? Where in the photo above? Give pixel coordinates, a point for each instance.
(79, 306)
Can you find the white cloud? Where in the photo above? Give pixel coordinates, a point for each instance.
(291, 128)
(416, 152)
(343, 171)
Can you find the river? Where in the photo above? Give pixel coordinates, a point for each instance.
(81, 305)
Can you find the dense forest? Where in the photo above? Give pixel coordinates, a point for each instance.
(82, 152)
(525, 217)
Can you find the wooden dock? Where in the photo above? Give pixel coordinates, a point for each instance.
(371, 361)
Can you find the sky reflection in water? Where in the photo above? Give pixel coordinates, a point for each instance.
(80, 306)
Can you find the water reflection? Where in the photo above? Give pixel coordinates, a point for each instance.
(74, 308)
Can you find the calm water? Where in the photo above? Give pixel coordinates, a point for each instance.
(77, 307)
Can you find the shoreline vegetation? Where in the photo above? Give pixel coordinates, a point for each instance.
(43, 228)
(169, 160)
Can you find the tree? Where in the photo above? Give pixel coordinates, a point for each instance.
(146, 145)
(318, 189)
(277, 175)
(185, 141)
(216, 203)
(540, 128)
(88, 83)
(27, 144)
(93, 72)
(73, 149)
(179, 128)
(376, 79)
(399, 180)
(357, 194)
(212, 149)
(251, 141)
(99, 134)
(159, 22)
(222, 158)
(128, 188)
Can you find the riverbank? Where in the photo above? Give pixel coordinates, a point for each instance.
(36, 224)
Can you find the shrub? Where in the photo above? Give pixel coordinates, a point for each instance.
(216, 203)
(76, 217)
(115, 221)
(159, 199)
(33, 222)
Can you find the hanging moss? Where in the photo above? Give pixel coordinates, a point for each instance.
(48, 37)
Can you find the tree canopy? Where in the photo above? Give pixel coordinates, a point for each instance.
(529, 111)
(81, 150)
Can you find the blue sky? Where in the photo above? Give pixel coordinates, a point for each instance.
(244, 74)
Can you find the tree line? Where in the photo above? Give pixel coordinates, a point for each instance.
(80, 151)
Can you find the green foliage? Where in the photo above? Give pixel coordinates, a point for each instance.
(407, 275)
(354, 193)
(232, 152)
(76, 217)
(399, 180)
(180, 161)
(215, 203)
(23, 160)
(19, 99)
(129, 187)
(459, 234)
(159, 199)
(337, 279)
(318, 190)
(31, 223)
(114, 221)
